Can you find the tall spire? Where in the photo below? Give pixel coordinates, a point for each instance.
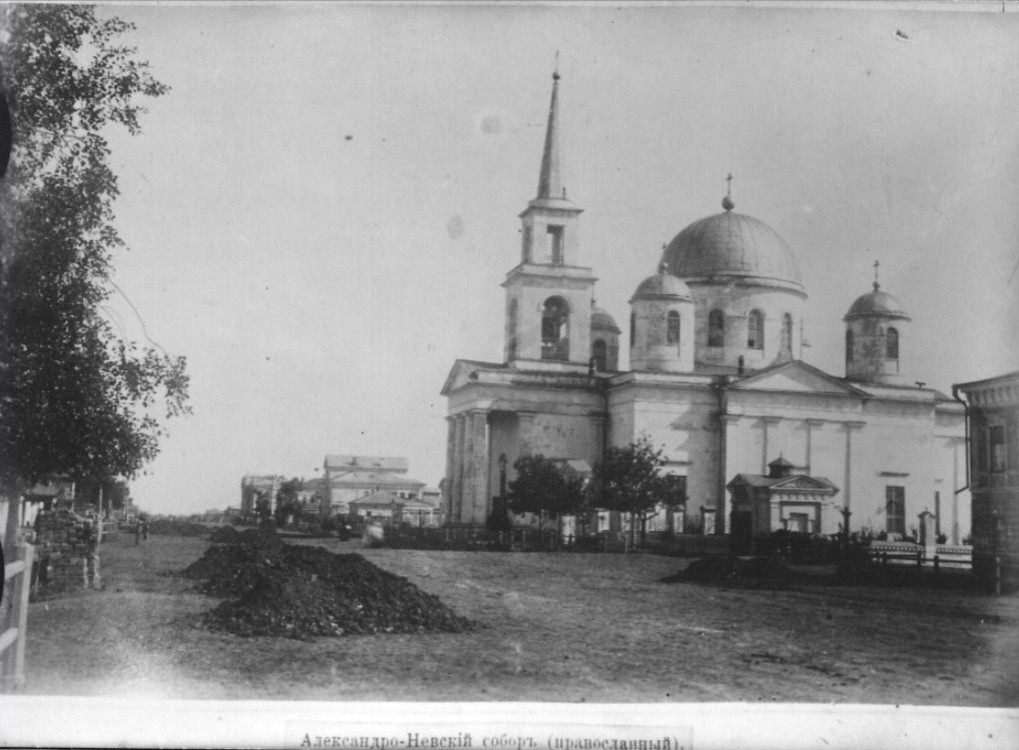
(550, 181)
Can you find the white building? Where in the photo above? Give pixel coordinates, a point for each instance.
(715, 380)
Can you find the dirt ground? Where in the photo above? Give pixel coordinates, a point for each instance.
(556, 627)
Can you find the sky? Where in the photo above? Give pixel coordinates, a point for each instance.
(321, 211)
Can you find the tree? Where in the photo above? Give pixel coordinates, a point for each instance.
(543, 486)
(288, 503)
(628, 480)
(75, 399)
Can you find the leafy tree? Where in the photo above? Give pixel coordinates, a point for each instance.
(545, 486)
(75, 399)
(628, 480)
(288, 501)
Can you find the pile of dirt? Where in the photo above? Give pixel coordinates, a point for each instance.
(303, 591)
(735, 572)
(173, 527)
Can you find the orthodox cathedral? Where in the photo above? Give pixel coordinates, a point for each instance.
(755, 439)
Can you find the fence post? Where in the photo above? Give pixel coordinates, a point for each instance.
(919, 558)
(937, 564)
(14, 660)
(997, 575)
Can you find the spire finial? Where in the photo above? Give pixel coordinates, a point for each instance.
(877, 264)
(550, 180)
(727, 203)
(663, 267)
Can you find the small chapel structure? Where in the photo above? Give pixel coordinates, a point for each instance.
(714, 379)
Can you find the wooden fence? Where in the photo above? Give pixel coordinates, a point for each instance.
(15, 616)
(905, 553)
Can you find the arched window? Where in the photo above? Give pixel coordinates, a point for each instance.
(716, 328)
(672, 328)
(633, 328)
(600, 355)
(891, 344)
(511, 333)
(787, 333)
(755, 330)
(849, 346)
(555, 318)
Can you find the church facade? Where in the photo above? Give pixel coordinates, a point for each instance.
(713, 380)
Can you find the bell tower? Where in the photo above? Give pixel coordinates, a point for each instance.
(548, 294)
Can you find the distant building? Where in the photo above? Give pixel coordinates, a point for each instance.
(348, 478)
(254, 487)
(993, 428)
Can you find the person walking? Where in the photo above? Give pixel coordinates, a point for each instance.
(90, 566)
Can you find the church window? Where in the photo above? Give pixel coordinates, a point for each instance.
(891, 344)
(556, 233)
(526, 246)
(600, 356)
(633, 328)
(555, 317)
(511, 338)
(672, 328)
(716, 328)
(849, 345)
(787, 333)
(895, 510)
(996, 443)
(755, 330)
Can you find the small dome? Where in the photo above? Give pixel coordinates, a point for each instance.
(877, 304)
(732, 244)
(663, 284)
(602, 321)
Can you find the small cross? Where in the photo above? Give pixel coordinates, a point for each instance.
(728, 187)
(877, 264)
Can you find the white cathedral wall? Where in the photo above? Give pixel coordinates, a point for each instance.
(680, 421)
(861, 449)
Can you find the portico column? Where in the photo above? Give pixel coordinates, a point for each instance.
(458, 469)
(476, 467)
(447, 486)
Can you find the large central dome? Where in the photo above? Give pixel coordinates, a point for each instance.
(732, 245)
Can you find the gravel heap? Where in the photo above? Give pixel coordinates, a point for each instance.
(298, 591)
(168, 527)
(735, 572)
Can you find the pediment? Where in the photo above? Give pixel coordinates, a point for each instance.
(462, 372)
(802, 482)
(796, 377)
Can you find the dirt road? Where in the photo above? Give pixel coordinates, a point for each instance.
(558, 627)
